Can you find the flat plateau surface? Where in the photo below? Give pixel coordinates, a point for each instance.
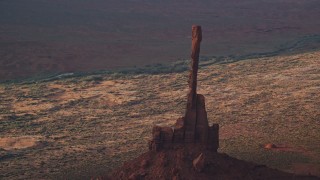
(85, 126)
(44, 36)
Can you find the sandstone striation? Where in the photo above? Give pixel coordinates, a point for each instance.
(193, 128)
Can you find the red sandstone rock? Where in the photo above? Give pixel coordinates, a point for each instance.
(196, 40)
(199, 163)
(176, 177)
(137, 175)
(213, 137)
(202, 127)
(270, 146)
(144, 164)
(194, 127)
(191, 111)
(177, 164)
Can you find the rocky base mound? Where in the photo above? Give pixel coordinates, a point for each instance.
(189, 162)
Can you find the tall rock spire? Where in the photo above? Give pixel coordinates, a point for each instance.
(191, 111)
(193, 128)
(195, 52)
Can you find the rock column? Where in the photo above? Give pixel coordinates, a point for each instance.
(193, 128)
(191, 111)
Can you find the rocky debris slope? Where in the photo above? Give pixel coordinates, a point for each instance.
(190, 162)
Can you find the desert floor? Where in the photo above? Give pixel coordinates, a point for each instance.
(88, 125)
